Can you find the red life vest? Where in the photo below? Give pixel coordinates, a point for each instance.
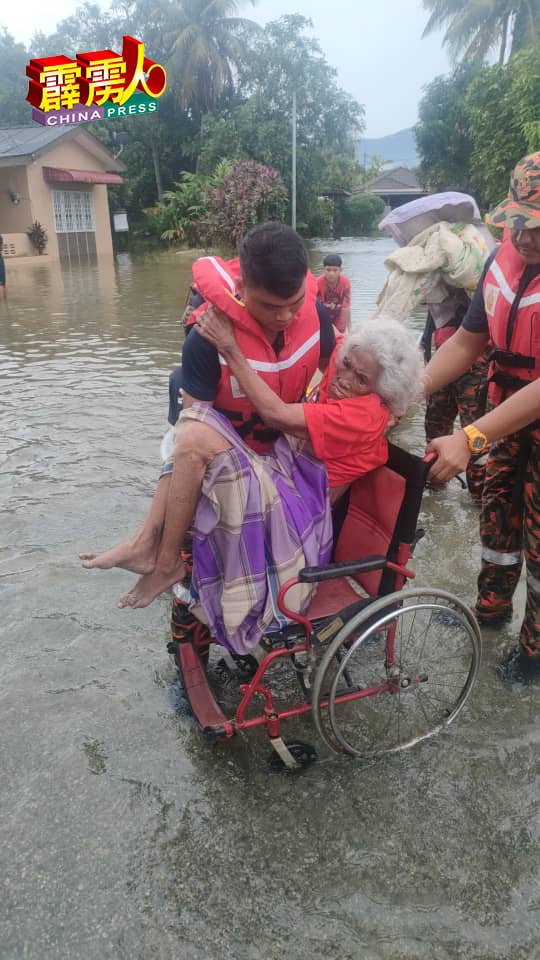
(514, 324)
(288, 374)
(443, 334)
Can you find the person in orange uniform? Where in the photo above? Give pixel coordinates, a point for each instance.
(505, 309)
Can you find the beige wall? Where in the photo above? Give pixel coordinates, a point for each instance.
(103, 221)
(14, 217)
(42, 205)
(68, 153)
(17, 245)
(36, 192)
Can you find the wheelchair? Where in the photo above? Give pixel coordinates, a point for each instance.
(380, 666)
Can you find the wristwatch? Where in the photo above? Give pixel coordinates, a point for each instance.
(477, 441)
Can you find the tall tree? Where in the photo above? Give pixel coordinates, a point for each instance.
(477, 123)
(13, 57)
(475, 27)
(443, 136)
(284, 58)
(207, 50)
(89, 28)
(502, 111)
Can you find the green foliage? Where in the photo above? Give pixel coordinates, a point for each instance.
(89, 28)
(250, 193)
(443, 136)
(339, 172)
(525, 90)
(258, 127)
(38, 236)
(321, 218)
(14, 86)
(362, 212)
(476, 124)
(207, 50)
(475, 27)
(182, 211)
(503, 109)
(215, 61)
(374, 168)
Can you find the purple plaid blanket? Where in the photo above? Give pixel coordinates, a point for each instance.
(260, 519)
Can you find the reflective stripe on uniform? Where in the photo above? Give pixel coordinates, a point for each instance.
(500, 558)
(264, 366)
(533, 583)
(222, 272)
(506, 290)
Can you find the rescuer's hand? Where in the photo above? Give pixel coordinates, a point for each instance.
(453, 455)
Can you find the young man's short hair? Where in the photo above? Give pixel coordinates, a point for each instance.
(273, 258)
(332, 260)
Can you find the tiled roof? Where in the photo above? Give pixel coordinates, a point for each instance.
(398, 179)
(25, 141)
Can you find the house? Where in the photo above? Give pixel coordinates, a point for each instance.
(395, 187)
(58, 177)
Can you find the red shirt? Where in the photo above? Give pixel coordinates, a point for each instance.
(348, 435)
(335, 298)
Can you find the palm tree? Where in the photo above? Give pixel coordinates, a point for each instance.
(206, 49)
(474, 27)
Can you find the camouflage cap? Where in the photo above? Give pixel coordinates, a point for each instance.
(521, 209)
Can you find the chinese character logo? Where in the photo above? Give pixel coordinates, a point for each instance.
(94, 80)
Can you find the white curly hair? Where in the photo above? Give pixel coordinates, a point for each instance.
(395, 350)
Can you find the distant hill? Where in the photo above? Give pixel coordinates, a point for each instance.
(398, 148)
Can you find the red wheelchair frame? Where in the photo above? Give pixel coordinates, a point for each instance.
(338, 638)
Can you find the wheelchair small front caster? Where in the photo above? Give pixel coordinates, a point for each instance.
(302, 755)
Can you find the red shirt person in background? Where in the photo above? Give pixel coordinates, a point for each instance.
(334, 290)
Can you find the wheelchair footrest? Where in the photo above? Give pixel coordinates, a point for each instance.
(207, 711)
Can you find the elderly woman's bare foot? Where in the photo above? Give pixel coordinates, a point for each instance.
(149, 587)
(137, 555)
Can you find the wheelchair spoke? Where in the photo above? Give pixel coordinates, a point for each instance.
(434, 665)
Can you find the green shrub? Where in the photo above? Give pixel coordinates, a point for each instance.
(362, 212)
(321, 218)
(38, 236)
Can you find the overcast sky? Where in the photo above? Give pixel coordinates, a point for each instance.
(376, 46)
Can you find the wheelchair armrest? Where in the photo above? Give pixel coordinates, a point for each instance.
(346, 568)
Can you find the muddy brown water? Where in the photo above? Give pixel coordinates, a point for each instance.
(123, 834)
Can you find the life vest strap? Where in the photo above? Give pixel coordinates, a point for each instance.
(509, 359)
(507, 381)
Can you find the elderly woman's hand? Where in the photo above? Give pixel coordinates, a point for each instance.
(216, 327)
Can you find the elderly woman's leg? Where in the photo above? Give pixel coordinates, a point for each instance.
(196, 446)
(138, 554)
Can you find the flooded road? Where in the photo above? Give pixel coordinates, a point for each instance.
(123, 834)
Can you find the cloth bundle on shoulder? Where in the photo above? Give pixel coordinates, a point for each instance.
(444, 245)
(444, 255)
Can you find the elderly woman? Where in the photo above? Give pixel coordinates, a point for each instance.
(262, 517)
(371, 378)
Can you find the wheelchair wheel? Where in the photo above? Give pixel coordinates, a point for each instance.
(414, 658)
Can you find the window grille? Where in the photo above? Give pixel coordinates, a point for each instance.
(73, 211)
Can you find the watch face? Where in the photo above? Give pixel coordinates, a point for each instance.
(478, 444)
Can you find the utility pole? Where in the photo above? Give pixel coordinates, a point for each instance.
(293, 179)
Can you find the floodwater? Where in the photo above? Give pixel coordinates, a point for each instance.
(123, 834)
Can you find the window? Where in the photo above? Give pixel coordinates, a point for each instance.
(73, 211)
